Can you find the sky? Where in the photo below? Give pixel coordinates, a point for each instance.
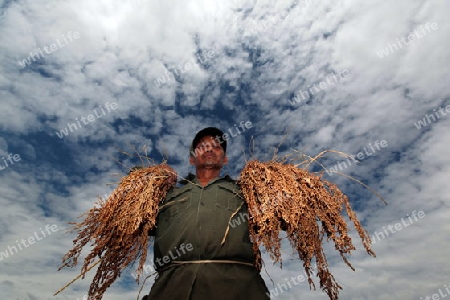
(82, 81)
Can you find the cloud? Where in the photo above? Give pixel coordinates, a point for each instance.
(265, 53)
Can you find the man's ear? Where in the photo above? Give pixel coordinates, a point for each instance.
(191, 160)
(225, 160)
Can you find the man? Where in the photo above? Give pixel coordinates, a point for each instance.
(196, 258)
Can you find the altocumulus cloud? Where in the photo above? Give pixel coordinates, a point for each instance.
(265, 54)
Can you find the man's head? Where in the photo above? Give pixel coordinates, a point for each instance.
(208, 150)
(214, 132)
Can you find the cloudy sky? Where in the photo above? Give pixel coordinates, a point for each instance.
(82, 80)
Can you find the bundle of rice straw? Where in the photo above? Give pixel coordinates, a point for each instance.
(281, 196)
(119, 227)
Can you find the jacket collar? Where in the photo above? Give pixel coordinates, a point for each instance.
(192, 178)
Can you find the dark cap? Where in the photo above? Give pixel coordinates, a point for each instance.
(209, 131)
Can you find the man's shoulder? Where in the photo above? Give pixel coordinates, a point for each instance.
(176, 190)
(227, 180)
(228, 185)
(189, 180)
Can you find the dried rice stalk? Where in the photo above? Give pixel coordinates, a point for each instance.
(119, 227)
(282, 196)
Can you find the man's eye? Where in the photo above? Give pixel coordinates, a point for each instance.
(207, 147)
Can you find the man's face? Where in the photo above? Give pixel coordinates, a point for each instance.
(209, 154)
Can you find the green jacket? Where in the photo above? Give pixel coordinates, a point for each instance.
(191, 224)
